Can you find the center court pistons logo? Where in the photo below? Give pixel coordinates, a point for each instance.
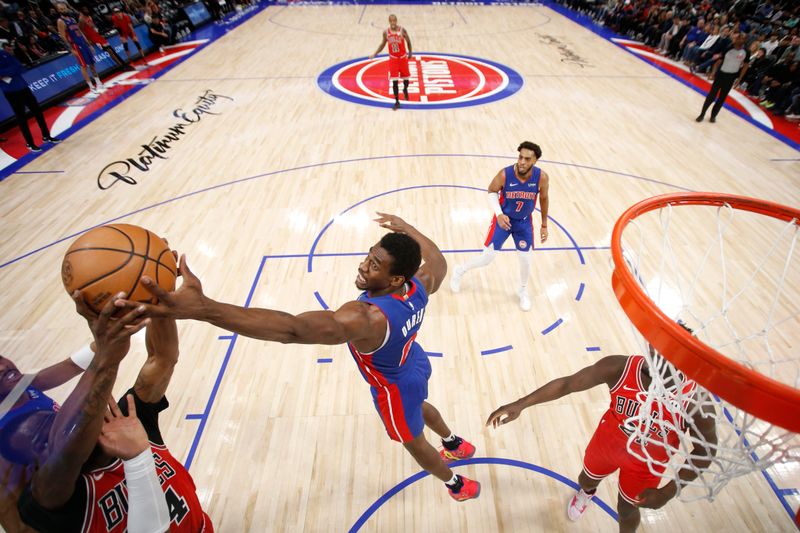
(437, 81)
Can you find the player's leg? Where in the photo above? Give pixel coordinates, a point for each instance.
(494, 241)
(396, 90)
(599, 461)
(629, 515)
(460, 488)
(405, 74)
(523, 239)
(125, 46)
(16, 100)
(138, 46)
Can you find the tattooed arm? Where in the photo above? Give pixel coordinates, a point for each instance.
(77, 426)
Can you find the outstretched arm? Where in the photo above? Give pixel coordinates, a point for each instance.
(606, 371)
(348, 323)
(79, 421)
(383, 43)
(544, 202)
(434, 268)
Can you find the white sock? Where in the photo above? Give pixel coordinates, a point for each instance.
(524, 268)
(486, 257)
(451, 438)
(453, 480)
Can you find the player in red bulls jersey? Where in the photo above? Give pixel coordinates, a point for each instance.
(396, 37)
(380, 329)
(512, 198)
(124, 26)
(105, 470)
(86, 24)
(627, 377)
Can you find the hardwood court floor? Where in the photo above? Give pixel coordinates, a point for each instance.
(290, 444)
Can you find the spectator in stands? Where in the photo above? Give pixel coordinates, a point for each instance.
(667, 36)
(22, 53)
(693, 38)
(158, 33)
(19, 26)
(675, 43)
(782, 77)
(6, 33)
(124, 25)
(759, 64)
(792, 53)
(706, 59)
(771, 44)
(19, 96)
(694, 54)
(34, 48)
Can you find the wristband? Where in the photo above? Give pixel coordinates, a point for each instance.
(83, 357)
(494, 203)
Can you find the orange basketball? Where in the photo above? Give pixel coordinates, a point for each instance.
(112, 259)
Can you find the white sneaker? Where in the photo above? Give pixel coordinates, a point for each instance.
(455, 279)
(578, 504)
(524, 300)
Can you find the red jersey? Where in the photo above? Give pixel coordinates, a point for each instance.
(121, 21)
(396, 42)
(99, 503)
(626, 400)
(86, 24)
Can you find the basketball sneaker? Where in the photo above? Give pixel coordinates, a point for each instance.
(469, 489)
(524, 300)
(455, 279)
(465, 450)
(578, 504)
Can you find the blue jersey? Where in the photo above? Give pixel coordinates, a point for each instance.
(74, 35)
(518, 198)
(399, 350)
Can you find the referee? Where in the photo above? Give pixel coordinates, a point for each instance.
(728, 71)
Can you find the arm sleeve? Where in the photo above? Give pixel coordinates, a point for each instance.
(147, 505)
(147, 413)
(494, 203)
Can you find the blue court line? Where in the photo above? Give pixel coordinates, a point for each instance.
(303, 167)
(789, 159)
(435, 354)
(789, 492)
(39, 172)
(476, 461)
(213, 396)
(580, 292)
(195, 416)
(600, 76)
(497, 350)
(325, 360)
(552, 326)
(592, 348)
(319, 298)
(771, 482)
(246, 78)
(225, 337)
(361, 16)
(607, 34)
(453, 251)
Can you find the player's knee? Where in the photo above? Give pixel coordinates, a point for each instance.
(627, 511)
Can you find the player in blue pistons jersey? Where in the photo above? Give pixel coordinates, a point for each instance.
(512, 197)
(380, 329)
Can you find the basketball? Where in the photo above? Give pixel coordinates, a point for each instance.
(112, 259)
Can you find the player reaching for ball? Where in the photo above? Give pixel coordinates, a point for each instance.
(96, 464)
(627, 378)
(380, 328)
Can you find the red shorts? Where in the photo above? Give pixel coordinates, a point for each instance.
(126, 32)
(607, 452)
(398, 67)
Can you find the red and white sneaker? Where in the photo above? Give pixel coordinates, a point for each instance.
(578, 504)
(465, 450)
(471, 489)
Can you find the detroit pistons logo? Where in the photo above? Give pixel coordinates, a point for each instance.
(436, 81)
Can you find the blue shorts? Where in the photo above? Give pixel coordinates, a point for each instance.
(521, 230)
(399, 403)
(83, 53)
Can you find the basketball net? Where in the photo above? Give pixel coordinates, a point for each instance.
(730, 275)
